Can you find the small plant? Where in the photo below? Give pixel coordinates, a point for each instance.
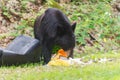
(55, 49)
(54, 4)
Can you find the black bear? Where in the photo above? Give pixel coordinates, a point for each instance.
(54, 28)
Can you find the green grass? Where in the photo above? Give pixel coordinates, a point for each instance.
(97, 71)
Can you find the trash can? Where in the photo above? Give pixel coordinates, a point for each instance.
(23, 49)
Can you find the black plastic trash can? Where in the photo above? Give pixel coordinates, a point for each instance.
(22, 50)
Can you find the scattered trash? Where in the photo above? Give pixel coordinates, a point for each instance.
(60, 59)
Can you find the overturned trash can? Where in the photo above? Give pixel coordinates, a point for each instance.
(22, 50)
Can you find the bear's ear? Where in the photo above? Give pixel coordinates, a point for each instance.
(73, 26)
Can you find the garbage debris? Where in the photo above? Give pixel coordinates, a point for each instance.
(60, 59)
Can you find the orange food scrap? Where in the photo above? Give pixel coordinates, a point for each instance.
(61, 52)
(57, 61)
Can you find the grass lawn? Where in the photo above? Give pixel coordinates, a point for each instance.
(95, 71)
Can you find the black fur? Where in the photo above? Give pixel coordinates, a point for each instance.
(53, 28)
